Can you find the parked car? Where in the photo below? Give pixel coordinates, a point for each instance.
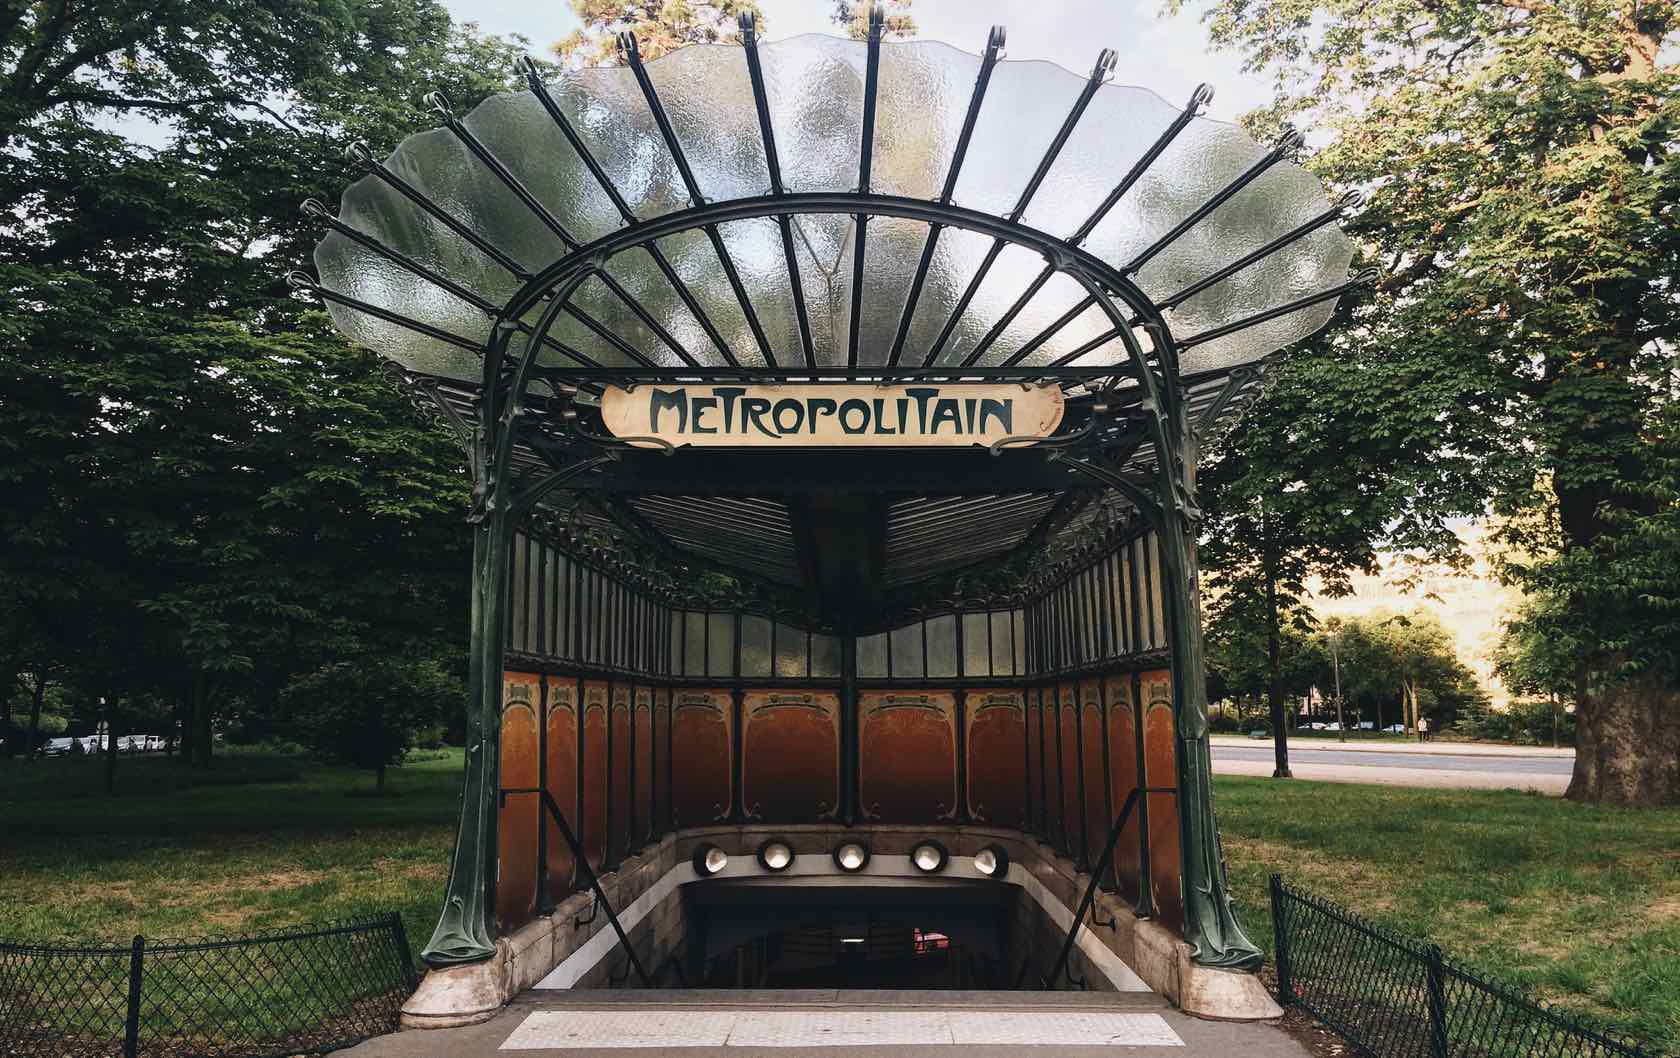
(155, 743)
(57, 747)
(1332, 726)
(1395, 729)
(1367, 725)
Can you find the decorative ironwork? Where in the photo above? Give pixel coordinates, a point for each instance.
(504, 324)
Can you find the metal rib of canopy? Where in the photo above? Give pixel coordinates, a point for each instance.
(819, 209)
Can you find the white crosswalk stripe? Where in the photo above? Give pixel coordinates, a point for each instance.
(646, 1029)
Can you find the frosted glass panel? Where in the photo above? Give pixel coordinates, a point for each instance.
(942, 646)
(825, 656)
(907, 651)
(814, 87)
(977, 651)
(694, 653)
(1002, 652)
(755, 646)
(720, 645)
(790, 651)
(872, 656)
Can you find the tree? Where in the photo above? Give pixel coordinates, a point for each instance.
(853, 16)
(660, 26)
(208, 489)
(1519, 157)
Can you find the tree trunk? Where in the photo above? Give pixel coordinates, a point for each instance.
(32, 741)
(111, 744)
(379, 778)
(200, 739)
(1627, 744)
(1274, 686)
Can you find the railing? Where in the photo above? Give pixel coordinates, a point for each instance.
(1390, 996)
(265, 995)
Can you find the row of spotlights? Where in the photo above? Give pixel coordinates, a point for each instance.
(929, 857)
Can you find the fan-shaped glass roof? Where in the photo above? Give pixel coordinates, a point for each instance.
(529, 177)
(821, 208)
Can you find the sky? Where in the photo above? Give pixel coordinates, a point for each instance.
(1168, 55)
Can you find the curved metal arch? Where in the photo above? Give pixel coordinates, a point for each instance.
(1061, 254)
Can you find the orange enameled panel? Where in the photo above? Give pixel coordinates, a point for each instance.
(1123, 772)
(1160, 770)
(620, 815)
(1035, 795)
(790, 755)
(516, 841)
(594, 831)
(662, 758)
(907, 767)
(700, 762)
(1067, 722)
(561, 781)
(997, 780)
(1097, 819)
(644, 766)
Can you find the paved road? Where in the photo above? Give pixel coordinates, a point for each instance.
(1544, 770)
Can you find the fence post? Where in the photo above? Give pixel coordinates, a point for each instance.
(1280, 938)
(400, 934)
(131, 1026)
(1437, 980)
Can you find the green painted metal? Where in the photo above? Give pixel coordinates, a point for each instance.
(1211, 928)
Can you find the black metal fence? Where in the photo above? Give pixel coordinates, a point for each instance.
(1390, 996)
(266, 995)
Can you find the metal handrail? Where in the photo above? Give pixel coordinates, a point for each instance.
(594, 880)
(1091, 889)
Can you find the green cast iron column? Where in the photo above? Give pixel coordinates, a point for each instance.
(1210, 923)
(466, 927)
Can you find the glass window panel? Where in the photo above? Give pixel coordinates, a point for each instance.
(676, 642)
(907, 658)
(977, 655)
(1128, 612)
(1156, 587)
(1002, 663)
(755, 645)
(790, 651)
(516, 607)
(825, 655)
(1018, 621)
(872, 656)
(533, 596)
(942, 646)
(694, 649)
(720, 645)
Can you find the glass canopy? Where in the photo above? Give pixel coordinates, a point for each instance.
(458, 219)
(819, 209)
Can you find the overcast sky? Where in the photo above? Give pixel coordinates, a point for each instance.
(1169, 55)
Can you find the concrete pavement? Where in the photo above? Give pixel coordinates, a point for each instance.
(838, 1024)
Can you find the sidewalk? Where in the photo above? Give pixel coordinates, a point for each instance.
(1463, 749)
(846, 1024)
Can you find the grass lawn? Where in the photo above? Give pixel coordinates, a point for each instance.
(255, 842)
(1580, 905)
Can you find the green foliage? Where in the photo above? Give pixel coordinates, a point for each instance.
(660, 26)
(853, 16)
(1522, 179)
(1385, 660)
(211, 497)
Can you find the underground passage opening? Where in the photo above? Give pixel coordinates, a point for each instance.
(866, 937)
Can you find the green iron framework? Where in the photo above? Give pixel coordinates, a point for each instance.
(651, 224)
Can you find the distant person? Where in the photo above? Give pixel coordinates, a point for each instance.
(1423, 729)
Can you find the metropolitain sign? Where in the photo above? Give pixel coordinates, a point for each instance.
(832, 415)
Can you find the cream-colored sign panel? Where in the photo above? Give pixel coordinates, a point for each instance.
(832, 416)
